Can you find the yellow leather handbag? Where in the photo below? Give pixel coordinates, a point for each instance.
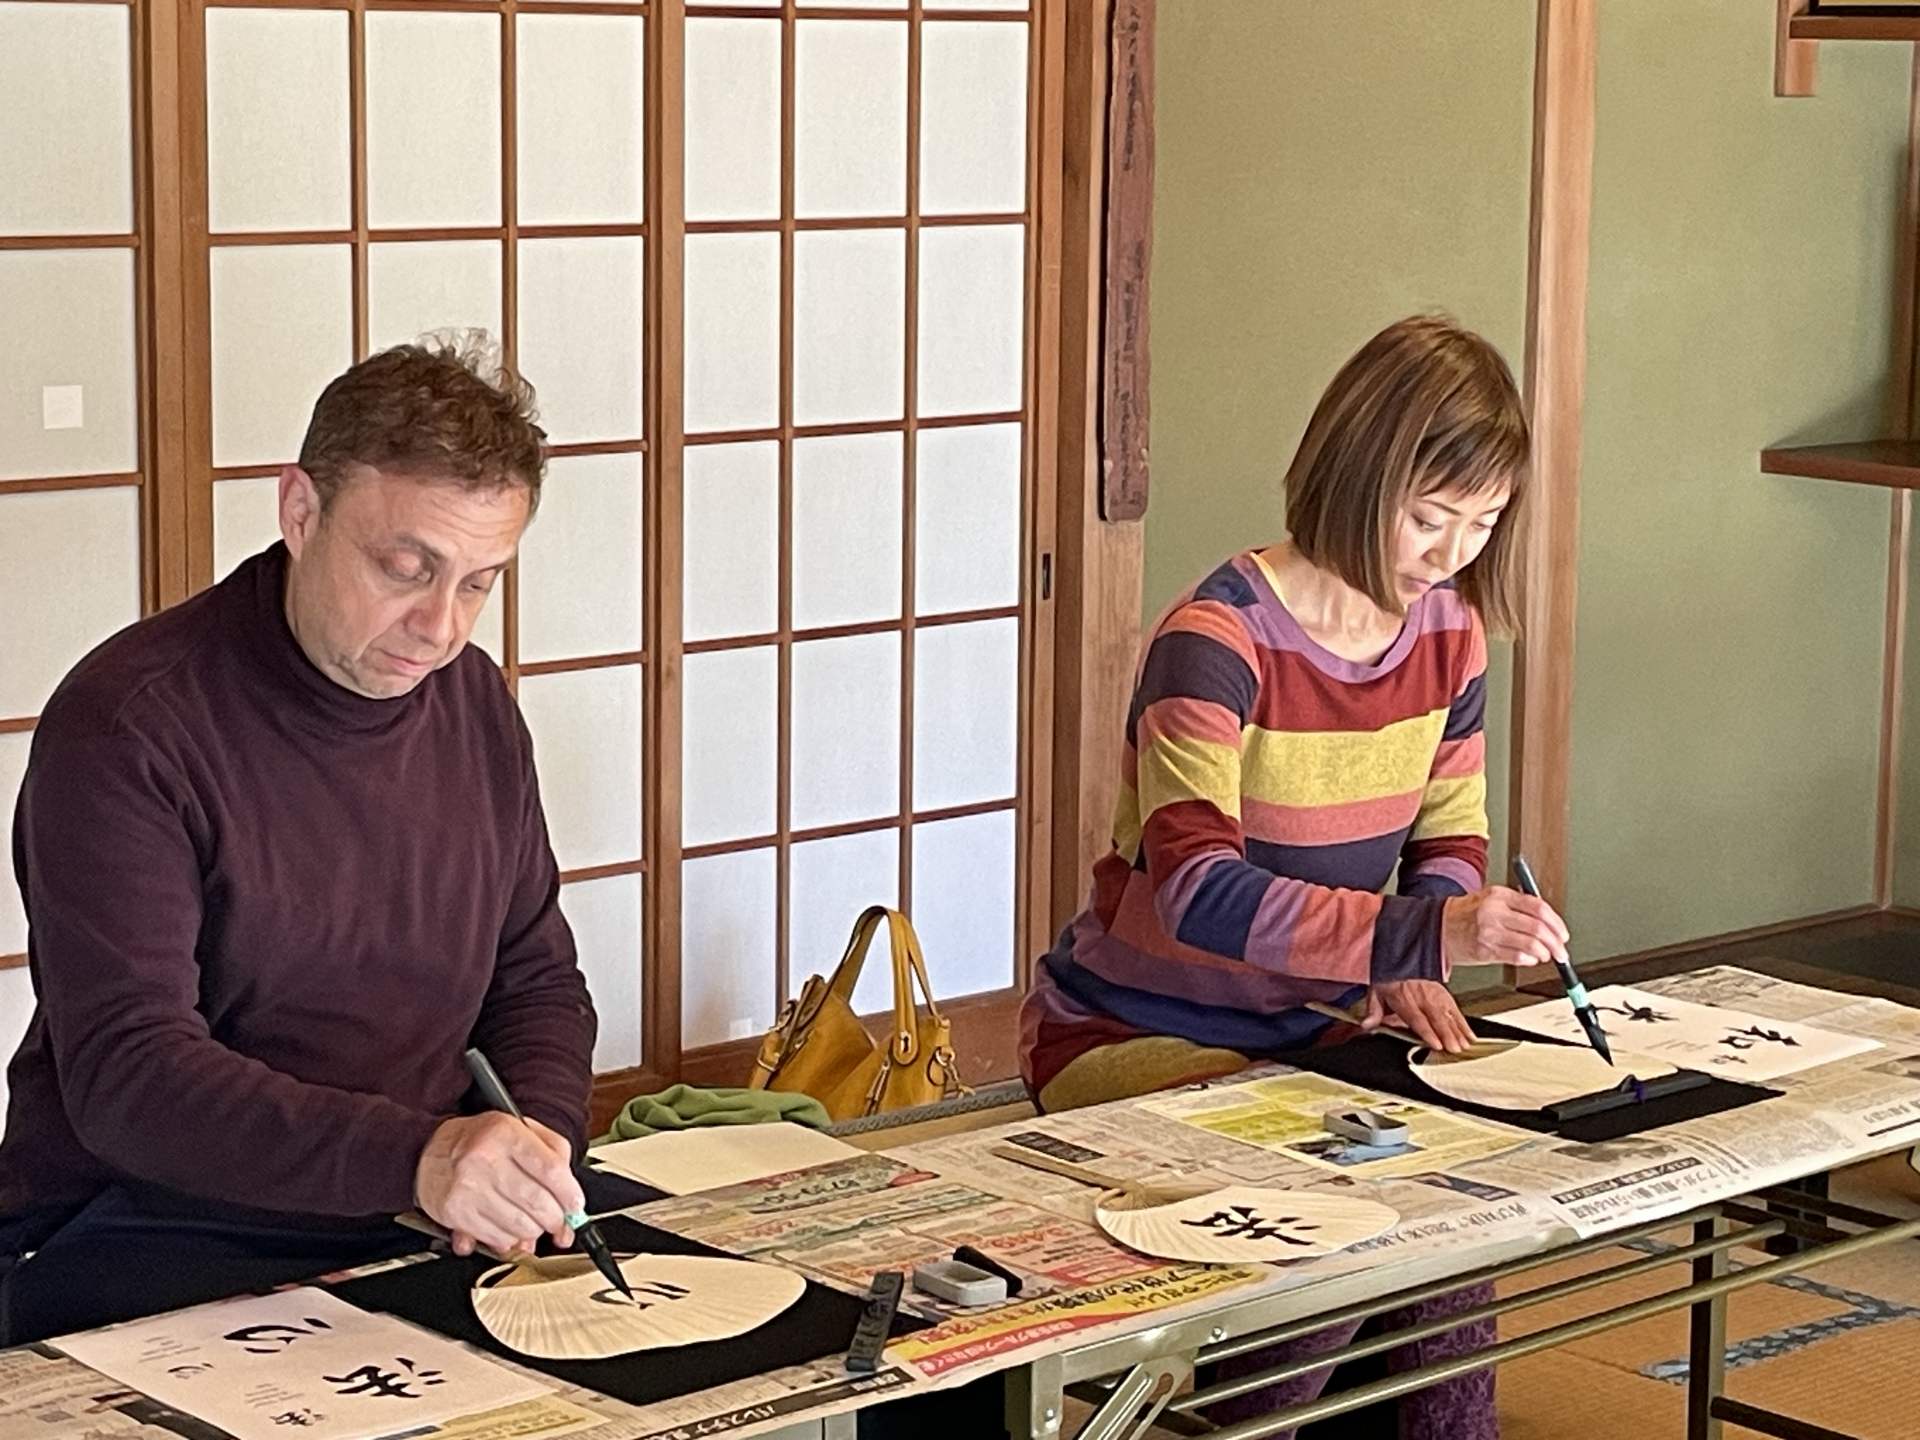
(819, 1047)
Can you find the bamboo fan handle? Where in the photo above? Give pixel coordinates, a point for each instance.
(1034, 1160)
(1347, 1017)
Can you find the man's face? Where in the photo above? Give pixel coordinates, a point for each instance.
(384, 586)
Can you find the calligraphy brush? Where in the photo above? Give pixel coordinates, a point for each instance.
(1576, 992)
(495, 1092)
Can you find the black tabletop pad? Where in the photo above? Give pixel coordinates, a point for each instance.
(1379, 1062)
(434, 1293)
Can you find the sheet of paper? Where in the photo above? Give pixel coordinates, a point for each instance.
(682, 1162)
(1718, 1040)
(342, 1373)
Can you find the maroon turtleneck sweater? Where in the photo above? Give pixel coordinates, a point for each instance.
(266, 916)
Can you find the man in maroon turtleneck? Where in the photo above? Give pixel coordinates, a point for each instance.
(284, 859)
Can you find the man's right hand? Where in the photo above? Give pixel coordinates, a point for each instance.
(498, 1182)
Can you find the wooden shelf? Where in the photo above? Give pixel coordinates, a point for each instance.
(1893, 463)
(1854, 27)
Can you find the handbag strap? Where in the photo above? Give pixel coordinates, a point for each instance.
(909, 969)
(909, 972)
(846, 974)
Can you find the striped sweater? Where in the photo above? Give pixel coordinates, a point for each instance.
(1269, 789)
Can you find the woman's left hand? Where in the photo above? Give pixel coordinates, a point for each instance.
(1425, 1007)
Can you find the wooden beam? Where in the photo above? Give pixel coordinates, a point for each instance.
(662, 957)
(1125, 363)
(1906, 333)
(195, 296)
(1039, 463)
(1892, 682)
(163, 391)
(1563, 119)
(1100, 561)
(1794, 61)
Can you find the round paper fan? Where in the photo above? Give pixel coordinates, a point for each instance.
(1526, 1076)
(1244, 1223)
(564, 1309)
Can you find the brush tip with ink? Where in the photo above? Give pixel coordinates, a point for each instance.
(494, 1090)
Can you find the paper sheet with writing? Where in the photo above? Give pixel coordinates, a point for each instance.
(299, 1362)
(682, 1162)
(1720, 1041)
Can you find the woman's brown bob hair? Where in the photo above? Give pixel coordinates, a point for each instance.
(1425, 405)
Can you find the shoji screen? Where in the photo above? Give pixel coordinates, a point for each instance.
(74, 472)
(459, 167)
(773, 627)
(853, 490)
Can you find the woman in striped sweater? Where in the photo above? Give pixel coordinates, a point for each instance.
(1306, 721)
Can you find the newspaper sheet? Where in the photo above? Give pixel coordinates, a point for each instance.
(1286, 1114)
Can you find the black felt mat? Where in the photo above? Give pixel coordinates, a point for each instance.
(435, 1293)
(1379, 1062)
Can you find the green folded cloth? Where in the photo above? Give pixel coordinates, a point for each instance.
(681, 1107)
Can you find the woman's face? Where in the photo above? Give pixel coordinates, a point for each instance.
(1440, 533)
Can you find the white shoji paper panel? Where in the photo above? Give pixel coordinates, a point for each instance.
(246, 519)
(282, 329)
(605, 918)
(66, 108)
(582, 561)
(582, 119)
(583, 335)
(963, 879)
(13, 915)
(71, 559)
(732, 332)
(730, 496)
(726, 947)
(67, 320)
(846, 729)
(973, 127)
(417, 288)
(433, 150)
(586, 743)
(833, 881)
(728, 766)
(972, 288)
(489, 631)
(850, 118)
(849, 325)
(733, 119)
(846, 529)
(278, 132)
(965, 713)
(967, 518)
